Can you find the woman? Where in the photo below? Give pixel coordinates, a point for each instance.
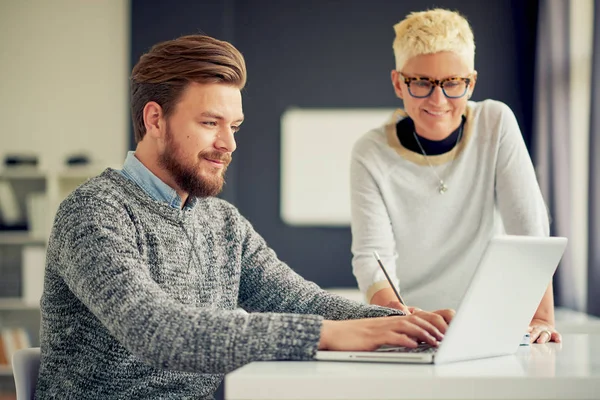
(433, 186)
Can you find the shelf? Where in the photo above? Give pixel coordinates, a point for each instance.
(6, 371)
(78, 172)
(15, 303)
(82, 173)
(22, 173)
(20, 238)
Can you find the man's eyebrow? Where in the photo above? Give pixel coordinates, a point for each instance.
(218, 116)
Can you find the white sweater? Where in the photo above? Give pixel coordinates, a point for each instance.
(432, 242)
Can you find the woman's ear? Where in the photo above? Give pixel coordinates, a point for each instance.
(396, 83)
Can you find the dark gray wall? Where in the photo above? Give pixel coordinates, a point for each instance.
(317, 53)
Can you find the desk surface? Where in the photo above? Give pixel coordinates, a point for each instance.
(570, 370)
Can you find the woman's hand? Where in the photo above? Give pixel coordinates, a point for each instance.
(541, 331)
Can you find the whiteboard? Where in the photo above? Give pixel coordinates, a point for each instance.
(315, 162)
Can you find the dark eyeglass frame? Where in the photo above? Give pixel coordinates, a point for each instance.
(436, 82)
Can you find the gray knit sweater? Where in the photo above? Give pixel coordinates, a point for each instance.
(140, 298)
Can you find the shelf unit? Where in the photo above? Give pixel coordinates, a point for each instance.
(20, 239)
(18, 308)
(16, 303)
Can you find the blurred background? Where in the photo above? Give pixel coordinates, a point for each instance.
(64, 109)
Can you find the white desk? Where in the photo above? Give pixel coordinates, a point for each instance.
(570, 370)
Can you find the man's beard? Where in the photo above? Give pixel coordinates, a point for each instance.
(188, 177)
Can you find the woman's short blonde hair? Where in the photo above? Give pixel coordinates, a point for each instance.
(433, 31)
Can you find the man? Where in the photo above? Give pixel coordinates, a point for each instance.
(146, 268)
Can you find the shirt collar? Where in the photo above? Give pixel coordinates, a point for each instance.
(134, 170)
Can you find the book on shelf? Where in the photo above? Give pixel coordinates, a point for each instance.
(11, 341)
(10, 213)
(32, 274)
(38, 216)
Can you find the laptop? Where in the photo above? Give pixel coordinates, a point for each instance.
(502, 297)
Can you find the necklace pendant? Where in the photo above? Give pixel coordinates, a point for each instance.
(442, 188)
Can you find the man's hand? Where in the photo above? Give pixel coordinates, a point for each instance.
(399, 306)
(541, 331)
(387, 298)
(438, 318)
(371, 333)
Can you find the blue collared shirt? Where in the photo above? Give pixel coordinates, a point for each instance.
(134, 170)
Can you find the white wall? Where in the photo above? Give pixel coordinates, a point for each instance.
(581, 35)
(315, 180)
(64, 66)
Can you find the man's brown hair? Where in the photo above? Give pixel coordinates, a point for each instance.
(162, 74)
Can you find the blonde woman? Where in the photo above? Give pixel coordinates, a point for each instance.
(431, 187)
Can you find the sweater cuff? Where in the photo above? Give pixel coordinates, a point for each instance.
(378, 311)
(374, 288)
(300, 341)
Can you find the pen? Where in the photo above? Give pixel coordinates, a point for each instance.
(388, 278)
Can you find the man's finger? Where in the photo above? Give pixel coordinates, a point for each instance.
(401, 339)
(399, 306)
(427, 326)
(447, 314)
(435, 319)
(416, 331)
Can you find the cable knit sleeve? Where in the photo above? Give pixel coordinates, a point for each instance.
(269, 285)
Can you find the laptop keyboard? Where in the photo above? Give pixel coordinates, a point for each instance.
(421, 348)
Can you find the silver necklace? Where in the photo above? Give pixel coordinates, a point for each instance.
(442, 187)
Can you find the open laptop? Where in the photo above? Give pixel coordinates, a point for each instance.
(494, 313)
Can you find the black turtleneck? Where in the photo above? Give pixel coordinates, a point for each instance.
(405, 129)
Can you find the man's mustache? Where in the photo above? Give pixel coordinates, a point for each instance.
(225, 158)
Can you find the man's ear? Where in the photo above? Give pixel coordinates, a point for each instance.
(397, 85)
(153, 119)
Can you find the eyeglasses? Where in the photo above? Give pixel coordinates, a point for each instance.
(421, 87)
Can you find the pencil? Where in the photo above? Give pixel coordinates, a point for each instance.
(388, 278)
